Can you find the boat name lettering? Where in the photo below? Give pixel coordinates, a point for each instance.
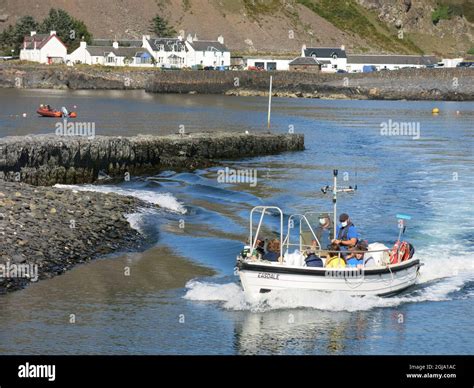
(267, 275)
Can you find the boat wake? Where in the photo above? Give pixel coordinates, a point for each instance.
(164, 200)
(440, 280)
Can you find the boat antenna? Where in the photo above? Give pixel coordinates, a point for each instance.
(335, 190)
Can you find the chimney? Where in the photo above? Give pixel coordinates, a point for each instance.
(52, 32)
(195, 37)
(83, 44)
(33, 33)
(115, 44)
(343, 48)
(220, 39)
(189, 38)
(302, 50)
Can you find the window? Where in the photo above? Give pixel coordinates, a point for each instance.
(110, 60)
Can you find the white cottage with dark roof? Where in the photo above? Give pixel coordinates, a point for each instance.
(113, 55)
(331, 59)
(43, 48)
(205, 53)
(167, 52)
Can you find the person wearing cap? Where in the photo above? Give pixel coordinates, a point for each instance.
(346, 233)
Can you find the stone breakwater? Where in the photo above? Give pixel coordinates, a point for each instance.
(46, 231)
(455, 84)
(411, 84)
(45, 160)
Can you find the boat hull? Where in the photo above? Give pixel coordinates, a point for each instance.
(257, 278)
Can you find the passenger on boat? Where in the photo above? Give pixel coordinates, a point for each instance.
(273, 251)
(324, 231)
(311, 259)
(346, 232)
(359, 258)
(333, 259)
(260, 247)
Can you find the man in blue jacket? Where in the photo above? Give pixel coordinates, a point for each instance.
(346, 233)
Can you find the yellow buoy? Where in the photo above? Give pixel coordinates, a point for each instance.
(435, 110)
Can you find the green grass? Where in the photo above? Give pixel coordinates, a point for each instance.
(257, 7)
(471, 51)
(441, 12)
(446, 9)
(349, 16)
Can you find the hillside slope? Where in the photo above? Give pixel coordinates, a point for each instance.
(269, 26)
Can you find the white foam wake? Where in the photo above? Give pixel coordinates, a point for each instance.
(164, 200)
(136, 220)
(440, 277)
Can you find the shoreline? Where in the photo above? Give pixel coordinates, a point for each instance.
(47, 231)
(450, 84)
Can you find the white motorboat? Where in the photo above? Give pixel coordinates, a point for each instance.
(391, 271)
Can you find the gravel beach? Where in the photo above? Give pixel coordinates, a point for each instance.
(45, 231)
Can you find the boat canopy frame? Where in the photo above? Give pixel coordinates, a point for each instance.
(303, 219)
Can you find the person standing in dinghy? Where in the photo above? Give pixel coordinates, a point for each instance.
(346, 233)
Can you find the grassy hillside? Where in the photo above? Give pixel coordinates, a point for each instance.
(276, 26)
(350, 16)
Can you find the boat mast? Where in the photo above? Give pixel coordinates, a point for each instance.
(335, 190)
(269, 102)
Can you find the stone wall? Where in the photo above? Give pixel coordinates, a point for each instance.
(411, 84)
(48, 159)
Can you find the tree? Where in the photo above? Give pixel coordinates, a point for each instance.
(68, 29)
(12, 37)
(161, 27)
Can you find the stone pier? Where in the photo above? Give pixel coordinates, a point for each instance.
(45, 160)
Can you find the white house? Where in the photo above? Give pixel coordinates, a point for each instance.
(331, 59)
(43, 48)
(207, 52)
(269, 64)
(167, 52)
(356, 63)
(111, 55)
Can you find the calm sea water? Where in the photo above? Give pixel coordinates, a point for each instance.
(182, 296)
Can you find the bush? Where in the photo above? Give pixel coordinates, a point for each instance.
(441, 12)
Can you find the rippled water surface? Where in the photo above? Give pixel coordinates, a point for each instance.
(182, 296)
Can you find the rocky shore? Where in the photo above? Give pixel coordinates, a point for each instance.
(450, 84)
(46, 231)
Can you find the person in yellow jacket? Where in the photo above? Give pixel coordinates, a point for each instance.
(333, 260)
